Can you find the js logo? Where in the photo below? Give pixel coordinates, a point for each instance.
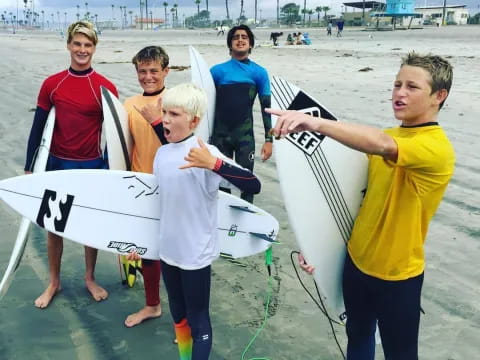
(60, 211)
(233, 230)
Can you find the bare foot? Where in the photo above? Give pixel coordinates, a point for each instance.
(148, 312)
(44, 300)
(97, 292)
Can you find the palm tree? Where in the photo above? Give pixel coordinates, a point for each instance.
(113, 17)
(87, 14)
(146, 11)
(278, 12)
(172, 10)
(198, 6)
(25, 2)
(130, 12)
(309, 12)
(318, 10)
(226, 7)
(325, 10)
(304, 11)
(165, 4)
(175, 6)
(241, 10)
(141, 15)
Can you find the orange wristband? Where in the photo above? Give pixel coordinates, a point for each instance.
(156, 122)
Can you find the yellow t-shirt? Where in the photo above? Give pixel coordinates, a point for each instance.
(145, 140)
(389, 232)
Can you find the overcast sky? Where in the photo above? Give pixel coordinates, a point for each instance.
(266, 8)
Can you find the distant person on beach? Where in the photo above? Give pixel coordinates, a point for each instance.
(76, 95)
(329, 28)
(189, 174)
(274, 37)
(299, 39)
(306, 39)
(289, 40)
(221, 30)
(145, 124)
(340, 24)
(238, 81)
(410, 167)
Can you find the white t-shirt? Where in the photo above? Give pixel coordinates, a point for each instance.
(188, 203)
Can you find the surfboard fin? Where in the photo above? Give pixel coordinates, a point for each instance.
(231, 259)
(264, 237)
(243, 208)
(130, 268)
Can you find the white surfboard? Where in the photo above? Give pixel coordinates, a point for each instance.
(202, 77)
(117, 133)
(323, 184)
(22, 235)
(117, 211)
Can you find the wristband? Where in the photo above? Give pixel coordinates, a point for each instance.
(156, 122)
(218, 165)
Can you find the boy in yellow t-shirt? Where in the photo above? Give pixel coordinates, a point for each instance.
(145, 123)
(409, 169)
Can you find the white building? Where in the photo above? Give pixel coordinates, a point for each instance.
(454, 14)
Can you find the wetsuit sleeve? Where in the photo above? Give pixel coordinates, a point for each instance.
(39, 121)
(242, 178)
(265, 102)
(158, 128)
(264, 95)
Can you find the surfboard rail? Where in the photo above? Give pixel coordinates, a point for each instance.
(21, 240)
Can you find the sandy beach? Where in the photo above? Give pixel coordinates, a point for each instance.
(76, 327)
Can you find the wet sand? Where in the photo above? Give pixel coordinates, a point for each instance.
(76, 327)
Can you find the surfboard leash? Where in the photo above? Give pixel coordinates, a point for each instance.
(120, 268)
(268, 263)
(320, 304)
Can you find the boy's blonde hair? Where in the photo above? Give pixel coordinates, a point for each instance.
(189, 97)
(440, 70)
(82, 27)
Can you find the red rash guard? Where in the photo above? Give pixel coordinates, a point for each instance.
(78, 104)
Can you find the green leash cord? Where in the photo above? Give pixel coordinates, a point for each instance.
(268, 262)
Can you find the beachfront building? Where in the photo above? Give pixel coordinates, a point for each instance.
(149, 23)
(360, 13)
(401, 14)
(108, 25)
(454, 14)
